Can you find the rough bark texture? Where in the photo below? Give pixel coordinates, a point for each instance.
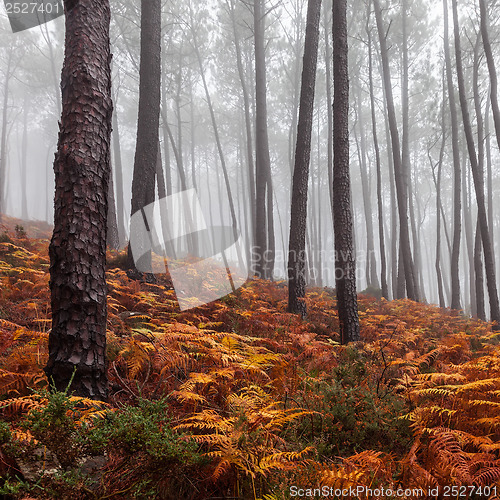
(345, 264)
(77, 341)
(143, 181)
(298, 217)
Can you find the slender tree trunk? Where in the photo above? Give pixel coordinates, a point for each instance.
(437, 183)
(475, 250)
(113, 239)
(234, 222)
(166, 138)
(398, 168)
(120, 198)
(405, 156)
(489, 169)
(77, 341)
(3, 139)
(24, 154)
(478, 273)
(264, 255)
(457, 222)
(248, 121)
(371, 276)
(478, 181)
(491, 68)
(345, 263)
(383, 262)
(328, 75)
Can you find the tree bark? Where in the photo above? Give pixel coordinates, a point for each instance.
(77, 341)
(143, 181)
(298, 217)
(345, 262)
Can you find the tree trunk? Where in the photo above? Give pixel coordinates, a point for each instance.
(3, 139)
(234, 222)
(478, 180)
(371, 266)
(383, 262)
(298, 217)
(491, 69)
(120, 199)
(143, 181)
(405, 156)
(345, 263)
(248, 122)
(24, 154)
(113, 239)
(398, 167)
(457, 223)
(77, 341)
(264, 258)
(328, 75)
(478, 273)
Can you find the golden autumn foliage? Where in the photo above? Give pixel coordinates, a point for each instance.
(266, 399)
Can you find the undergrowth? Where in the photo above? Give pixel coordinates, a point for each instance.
(240, 399)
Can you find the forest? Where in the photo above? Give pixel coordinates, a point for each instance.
(249, 249)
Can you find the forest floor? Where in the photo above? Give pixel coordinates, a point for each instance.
(240, 399)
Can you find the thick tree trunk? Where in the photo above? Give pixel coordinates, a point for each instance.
(77, 341)
(298, 217)
(345, 262)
